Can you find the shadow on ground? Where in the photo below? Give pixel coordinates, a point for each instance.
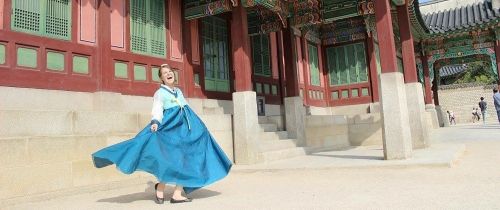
(148, 194)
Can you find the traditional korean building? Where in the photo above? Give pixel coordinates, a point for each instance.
(271, 78)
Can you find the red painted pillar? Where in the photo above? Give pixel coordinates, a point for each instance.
(291, 76)
(385, 36)
(241, 50)
(435, 88)
(274, 54)
(497, 53)
(175, 30)
(105, 70)
(188, 60)
(306, 70)
(427, 80)
(74, 22)
(408, 50)
(5, 9)
(372, 57)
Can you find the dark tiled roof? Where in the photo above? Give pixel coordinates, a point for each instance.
(460, 18)
(451, 70)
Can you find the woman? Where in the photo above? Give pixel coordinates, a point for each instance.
(176, 147)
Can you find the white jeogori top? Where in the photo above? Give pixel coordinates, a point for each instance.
(164, 98)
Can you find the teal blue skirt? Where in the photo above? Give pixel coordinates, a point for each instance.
(181, 152)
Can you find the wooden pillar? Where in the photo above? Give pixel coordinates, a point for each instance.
(188, 59)
(241, 49)
(385, 36)
(408, 50)
(281, 66)
(5, 14)
(291, 76)
(306, 72)
(274, 54)
(427, 80)
(105, 69)
(435, 88)
(397, 138)
(174, 33)
(372, 57)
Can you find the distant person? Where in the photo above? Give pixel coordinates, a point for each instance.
(451, 117)
(483, 106)
(496, 101)
(475, 115)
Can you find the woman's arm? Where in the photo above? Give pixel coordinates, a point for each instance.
(157, 111)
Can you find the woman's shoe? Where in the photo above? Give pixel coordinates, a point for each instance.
(158, 200)
(172, 200)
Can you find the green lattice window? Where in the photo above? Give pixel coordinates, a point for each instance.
(147, 22)
(51, 18)
(347, 64)
(314, 64)
(261, 62)
(215, 54)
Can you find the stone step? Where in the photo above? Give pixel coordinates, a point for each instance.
(213, 110)
(266, 146)
(263, 120)
(268, 127)
(277, 135)
(278, 120)
(270, 156)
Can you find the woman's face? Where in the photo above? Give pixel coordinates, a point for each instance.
(167, 76)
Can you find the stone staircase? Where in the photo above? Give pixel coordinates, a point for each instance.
(274, 143)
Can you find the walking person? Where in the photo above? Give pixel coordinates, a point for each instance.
(474, 115)
(451, 118)
(496, 101)
(175, 147)
(483, 106)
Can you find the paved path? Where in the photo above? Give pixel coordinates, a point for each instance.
(355, 179)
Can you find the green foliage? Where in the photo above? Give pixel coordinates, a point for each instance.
(477, 72)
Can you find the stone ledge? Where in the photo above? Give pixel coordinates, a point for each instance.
(438, 155)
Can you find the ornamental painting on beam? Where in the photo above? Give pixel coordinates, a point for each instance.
(352, 29)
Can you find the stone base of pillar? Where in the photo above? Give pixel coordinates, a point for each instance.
(442, 117)
(431, 108)
(295, 119)
(417, 115)
(396, 127)
(246, 125)
(374, 107)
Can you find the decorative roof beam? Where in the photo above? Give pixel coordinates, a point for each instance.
(279, 7)
(209, 9)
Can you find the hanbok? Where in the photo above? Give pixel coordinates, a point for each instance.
(181, 151)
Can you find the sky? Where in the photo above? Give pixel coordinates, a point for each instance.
(422, 1)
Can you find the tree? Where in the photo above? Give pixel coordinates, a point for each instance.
(477, 72)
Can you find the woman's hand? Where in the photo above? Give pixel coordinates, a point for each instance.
(154, 127)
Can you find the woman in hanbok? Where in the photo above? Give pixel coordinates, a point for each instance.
(176, 147)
